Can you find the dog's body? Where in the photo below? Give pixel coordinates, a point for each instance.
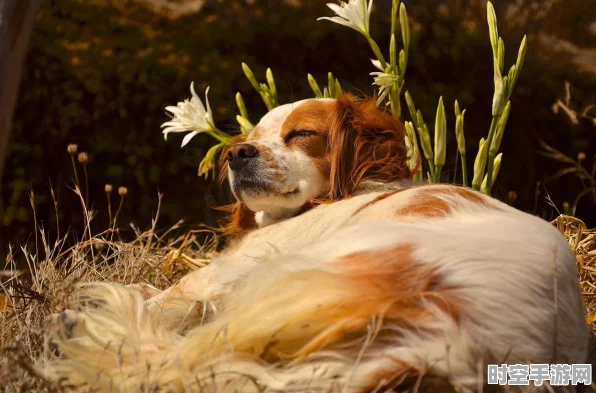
(382, 279)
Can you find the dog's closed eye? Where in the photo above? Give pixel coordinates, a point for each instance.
(295, 134)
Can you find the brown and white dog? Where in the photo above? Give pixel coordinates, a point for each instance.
(344, 276)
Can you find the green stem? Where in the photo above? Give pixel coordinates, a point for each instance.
(438, 173)
(464, 170)
(377, 51)
(431, 165)
(489, 161)
(219, 135)
(394, 99)
(489, 179)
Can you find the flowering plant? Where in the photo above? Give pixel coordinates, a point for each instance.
(193, 117)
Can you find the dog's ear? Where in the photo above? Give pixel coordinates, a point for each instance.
(239, 221)
(365, 144)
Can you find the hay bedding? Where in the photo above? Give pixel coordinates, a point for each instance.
(28, 297)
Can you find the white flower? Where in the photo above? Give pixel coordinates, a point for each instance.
(355, 14)
(385, 81)
(190, 115)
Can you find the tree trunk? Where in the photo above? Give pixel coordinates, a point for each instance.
(17, 18)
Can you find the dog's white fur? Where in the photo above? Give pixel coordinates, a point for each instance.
(304, 302)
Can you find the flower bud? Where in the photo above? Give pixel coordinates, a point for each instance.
(501, 54)
(521, 54)
(245, 125)
(412, 108)
(480, 164)
(440, 134)
(405, 25)
(425, 142)
(412, 145)
(496, 167)
(496, 142)
(314, 86)
(402, 63)
(492, 27)
(392, 51)
(250, 76)
(499, 95)
(338, 90)
(271, 82)
(459, 133)
(241, 106)
(72, 149)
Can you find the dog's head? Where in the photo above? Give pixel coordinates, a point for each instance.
(311, 150)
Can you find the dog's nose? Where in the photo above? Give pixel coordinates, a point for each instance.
(240, 154)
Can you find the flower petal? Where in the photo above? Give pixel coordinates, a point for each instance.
(188, 137)
(338, 9)
(170, 123)
(338, 20)
(207, 102)
(377, 65)
(193, 92)
(176, 129)
(174, 109)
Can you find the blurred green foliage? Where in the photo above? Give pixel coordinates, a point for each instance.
(100, 72)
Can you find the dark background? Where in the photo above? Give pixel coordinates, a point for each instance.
(99, 73)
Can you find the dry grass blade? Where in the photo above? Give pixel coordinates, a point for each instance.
(583, 242)
(26, 300)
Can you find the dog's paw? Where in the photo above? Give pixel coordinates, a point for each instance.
(66, 325)
(61, 327)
